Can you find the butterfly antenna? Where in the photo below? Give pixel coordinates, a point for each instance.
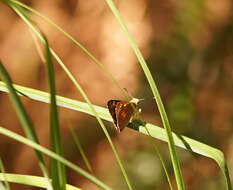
(129, 95)
(132, 99)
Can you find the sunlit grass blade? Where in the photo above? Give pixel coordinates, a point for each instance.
(61, 101)
(164, 168)
(30, 180)
(58, 173)
(23, 116)
(4, 177)
(80, 148)
(77, 43)
(157, 152)
(164, 118)
(84, 95)
(87, 110)
(2, 187)
(22, 9)
(155, 131)
(48, 152)
(193, 145)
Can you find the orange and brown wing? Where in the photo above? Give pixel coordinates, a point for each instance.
(112, 110)
(124, 112)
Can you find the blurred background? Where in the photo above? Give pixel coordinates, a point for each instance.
(188, 47)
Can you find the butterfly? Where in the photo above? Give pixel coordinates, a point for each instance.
(122, 112)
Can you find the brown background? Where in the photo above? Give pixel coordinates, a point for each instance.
(188, 47)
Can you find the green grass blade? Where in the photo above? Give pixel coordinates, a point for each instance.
(2, 169)
(48, 152)
(79, 146)
(61, 101)
(84, 95)
(81, 46)
(157, 152)
(2, 187)
(85, 108)
(58, 173)
(30, 180)
(23, 116)
(154, 131)
(164, 168)
(22, 9)
(193, 145)
(21, 113)
(165, 121)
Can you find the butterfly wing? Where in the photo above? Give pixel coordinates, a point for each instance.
(124, 112)
(112, 109)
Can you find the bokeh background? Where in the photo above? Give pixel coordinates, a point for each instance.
(188, 47)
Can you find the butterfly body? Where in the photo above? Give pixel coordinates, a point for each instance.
(121, 112)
